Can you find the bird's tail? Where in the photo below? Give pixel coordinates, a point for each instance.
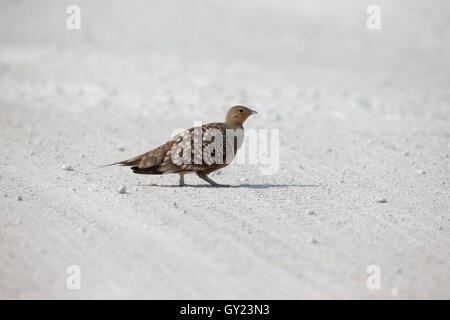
(130, 162)
(151, 170)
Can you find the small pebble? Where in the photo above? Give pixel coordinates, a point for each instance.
(121, 148)
(243, 179)
(406, 153)
(19, 198)
(312, 240)
(67, 167)
(381, 199)
(310, 212)
(81, 155)
(174, 204)
(122, 189)
(421, 171)
(81, 230)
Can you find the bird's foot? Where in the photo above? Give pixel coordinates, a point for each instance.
(218, 185)
(211, 181)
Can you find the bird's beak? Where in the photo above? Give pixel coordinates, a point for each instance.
(253, 112)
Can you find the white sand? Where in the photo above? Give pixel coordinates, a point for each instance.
(360, 113)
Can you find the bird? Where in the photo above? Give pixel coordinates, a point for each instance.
(200, 150)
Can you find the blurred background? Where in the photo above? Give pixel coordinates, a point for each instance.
(287, 44)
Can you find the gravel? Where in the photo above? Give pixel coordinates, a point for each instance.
(381, 199)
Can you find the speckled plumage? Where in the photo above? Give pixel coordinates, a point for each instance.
(199, 150)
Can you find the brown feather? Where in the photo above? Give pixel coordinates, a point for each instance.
(169, 157)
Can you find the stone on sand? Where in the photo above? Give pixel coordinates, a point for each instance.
(122, 189)
(67, 167)
(380, 199)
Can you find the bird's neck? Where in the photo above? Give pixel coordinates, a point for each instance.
(232, 123)
(235, 126)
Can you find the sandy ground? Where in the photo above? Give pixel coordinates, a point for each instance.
(361, 114)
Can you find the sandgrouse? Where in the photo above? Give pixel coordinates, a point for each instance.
(200, 149)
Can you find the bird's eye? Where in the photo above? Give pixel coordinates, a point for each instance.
(241, 111)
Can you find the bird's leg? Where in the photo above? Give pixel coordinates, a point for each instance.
(209, 180)
(181, 180)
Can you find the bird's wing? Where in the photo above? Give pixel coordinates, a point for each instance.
(206, 148)
(155, 156)
(197, 149)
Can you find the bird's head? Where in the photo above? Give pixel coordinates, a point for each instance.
(237, 115)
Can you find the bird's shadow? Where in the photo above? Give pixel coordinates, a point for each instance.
(246, 185)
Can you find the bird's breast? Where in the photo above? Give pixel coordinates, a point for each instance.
(238, 139)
